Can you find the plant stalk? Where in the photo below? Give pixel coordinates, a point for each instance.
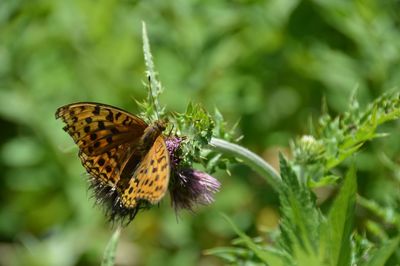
(250, 159)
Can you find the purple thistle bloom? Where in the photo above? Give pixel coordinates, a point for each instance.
(173, 144)
(191, 187)
(188, 186)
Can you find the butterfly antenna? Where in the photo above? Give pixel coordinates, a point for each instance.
(172, 128)
(152, 97)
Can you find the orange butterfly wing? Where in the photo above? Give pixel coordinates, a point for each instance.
(97, 127)
(151, 177)
(112, 147)
(106, 137)
(106, 167)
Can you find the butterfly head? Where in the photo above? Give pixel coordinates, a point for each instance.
(161, 125)
(152, 132)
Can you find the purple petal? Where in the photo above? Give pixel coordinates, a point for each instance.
(173, 144)
(191, 187)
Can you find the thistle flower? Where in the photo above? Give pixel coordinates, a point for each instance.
(188, 186)
(308, 150)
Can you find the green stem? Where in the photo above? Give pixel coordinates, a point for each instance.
(249, 158)
(155, 85)
(111, 248)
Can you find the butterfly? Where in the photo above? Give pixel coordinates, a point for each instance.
(127, 159)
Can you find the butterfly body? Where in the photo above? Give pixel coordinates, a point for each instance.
(150, 134)
(127, 159)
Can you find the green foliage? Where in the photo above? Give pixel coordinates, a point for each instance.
(213, 157)
(335, 243)
(307, 236)
(197, 125)
(254, 254)
(381, 255)
(150, 108)
(338, 138)
(300, 218)
(267, 63)
(388, 215)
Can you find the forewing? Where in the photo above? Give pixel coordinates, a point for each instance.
(97, 128)
(106, 137)
(151, 177)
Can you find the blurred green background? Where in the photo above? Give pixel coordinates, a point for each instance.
(267, 63)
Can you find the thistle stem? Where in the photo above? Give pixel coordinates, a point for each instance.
(111, 249)
(250, 159)
(154, 85)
